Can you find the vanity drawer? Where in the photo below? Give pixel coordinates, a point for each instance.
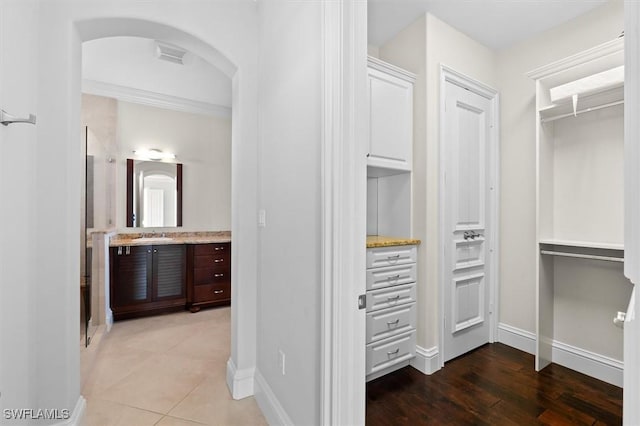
(390, 322)
(213, 259)
(388, 352)
(391, 275)
(211, 275)
(212, 292)
(390, 296)
(214, 248)
(391, 256)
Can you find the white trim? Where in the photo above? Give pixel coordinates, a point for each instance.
(590, 363)
(343, 214)
(390, 69)
(241, 383)
(77, 415)
(427, 361)
(632, 150)
(586, 362)
(109, 320)
(448, 74)
(597, 52)
(522, 340)
(269, 404)
(158, 100)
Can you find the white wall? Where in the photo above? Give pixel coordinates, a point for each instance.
(18, 277)
(201, 143)
(290, 253)
(421, 48)
(517, 205)
(40, 357)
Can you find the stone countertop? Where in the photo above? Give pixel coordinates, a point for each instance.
(133, 239)
(382, 241)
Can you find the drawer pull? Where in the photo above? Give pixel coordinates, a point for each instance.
(219, 248)
(394, 277)
(395, 256)
(390, 323)
(218, 291)
(393, 352)
(218, 275)
(394, 298)
(218, 260)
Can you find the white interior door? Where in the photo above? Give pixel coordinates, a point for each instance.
(467, 121)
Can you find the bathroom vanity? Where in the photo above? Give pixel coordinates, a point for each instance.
(172, 272)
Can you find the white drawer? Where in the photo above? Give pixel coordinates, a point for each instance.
(391, 275)
(391, 256)
(390, 296)
(388, 352)
(390, 322)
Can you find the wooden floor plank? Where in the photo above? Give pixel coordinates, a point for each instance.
(493, 385)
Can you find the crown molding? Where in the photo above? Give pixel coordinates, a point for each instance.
(159, 100)
(604, 49)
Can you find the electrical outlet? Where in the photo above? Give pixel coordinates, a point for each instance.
(281, 361)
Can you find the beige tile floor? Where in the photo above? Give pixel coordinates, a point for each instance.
(166, 370)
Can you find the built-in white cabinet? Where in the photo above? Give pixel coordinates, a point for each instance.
(390, 117)
(391, 308)
(580, 206)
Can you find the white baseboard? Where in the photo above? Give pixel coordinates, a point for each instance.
(427, 361)
(269, 404)
(77, 416)
(592, 364)
(109, 319)
(517, 338)
(240, 382)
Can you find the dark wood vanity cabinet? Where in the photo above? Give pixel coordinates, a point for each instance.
(208, 275)
(146, 280)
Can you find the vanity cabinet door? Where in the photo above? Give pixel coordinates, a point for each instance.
(131, 275)
(169, 269)
(147, 280)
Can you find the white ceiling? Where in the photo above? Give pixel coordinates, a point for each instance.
(132, 62)
(495, 23)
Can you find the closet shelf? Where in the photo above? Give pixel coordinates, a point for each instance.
(605, 99)
(582, 256)
(582, 244)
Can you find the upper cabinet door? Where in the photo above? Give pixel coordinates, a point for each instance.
(391, 117)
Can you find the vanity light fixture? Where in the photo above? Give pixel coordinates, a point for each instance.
(154, 154)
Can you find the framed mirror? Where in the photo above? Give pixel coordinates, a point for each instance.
(154, 194)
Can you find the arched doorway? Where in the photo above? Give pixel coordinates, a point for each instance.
(243, 192)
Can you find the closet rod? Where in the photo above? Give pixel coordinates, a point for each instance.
(581, 111)
(583, 256)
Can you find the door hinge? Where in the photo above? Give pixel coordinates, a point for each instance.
(362, 301)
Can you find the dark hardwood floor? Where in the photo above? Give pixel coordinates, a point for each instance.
(493, 385)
